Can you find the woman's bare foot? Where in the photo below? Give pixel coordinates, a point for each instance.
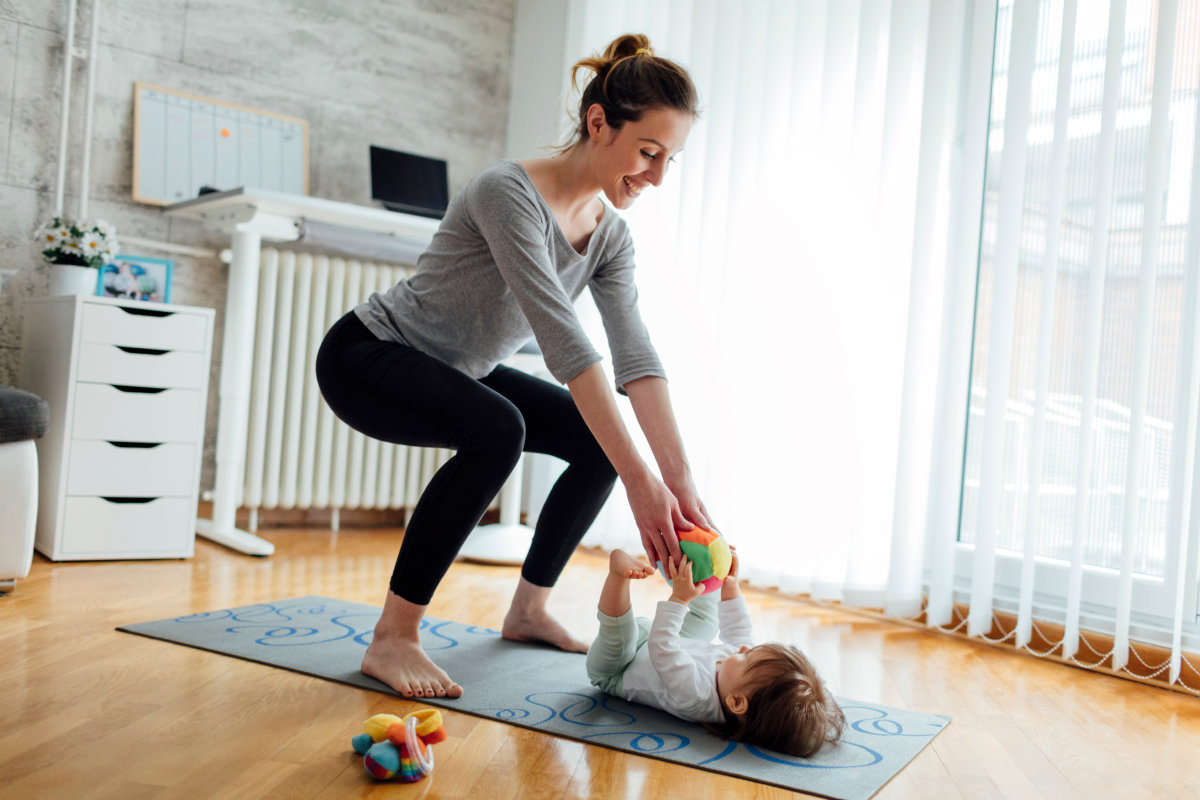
(395, 655)
(624, 565)
(404, 666)
(540, 628)
(528, 620)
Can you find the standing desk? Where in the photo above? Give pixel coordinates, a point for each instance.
(250, 217)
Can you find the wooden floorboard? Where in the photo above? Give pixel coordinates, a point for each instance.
(87, 711)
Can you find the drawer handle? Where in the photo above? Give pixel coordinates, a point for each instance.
(142, 351)
(145, 312)
(129, 499)
(141, 445)
(136, 389)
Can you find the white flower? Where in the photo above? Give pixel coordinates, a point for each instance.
(53, 237)
(91, 243)
(65, 240)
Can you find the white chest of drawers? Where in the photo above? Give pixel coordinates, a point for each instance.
(127, 384)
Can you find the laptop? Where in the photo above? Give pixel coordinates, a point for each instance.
(409, 183)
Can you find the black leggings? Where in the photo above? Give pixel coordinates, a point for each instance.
(397, 394)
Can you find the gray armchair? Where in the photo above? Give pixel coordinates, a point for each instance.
(23, 418)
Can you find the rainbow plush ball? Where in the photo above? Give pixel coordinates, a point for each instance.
(710, 556)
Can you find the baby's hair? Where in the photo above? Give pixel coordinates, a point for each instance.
(629, 79)
(790, 710)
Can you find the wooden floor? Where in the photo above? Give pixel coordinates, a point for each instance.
(86, 711)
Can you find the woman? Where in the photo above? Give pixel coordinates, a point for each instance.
(420, 364)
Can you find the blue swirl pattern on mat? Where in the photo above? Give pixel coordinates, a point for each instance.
(881, 724)
(575, 708)
(271, 623)
(271, 620)
(878, 723)
(642, 742)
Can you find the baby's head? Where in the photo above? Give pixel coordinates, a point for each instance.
(772, 697)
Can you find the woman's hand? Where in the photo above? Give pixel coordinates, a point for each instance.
(657, 514)
(659, 508)
(652, 405)
(689, 502)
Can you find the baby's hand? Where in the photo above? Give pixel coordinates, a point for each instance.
(683, 588)
(730, 588)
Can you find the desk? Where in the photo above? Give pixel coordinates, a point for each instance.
(251, 216)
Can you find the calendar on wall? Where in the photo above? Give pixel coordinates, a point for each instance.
(182, 142)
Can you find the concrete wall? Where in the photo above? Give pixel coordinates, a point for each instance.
(428, 76)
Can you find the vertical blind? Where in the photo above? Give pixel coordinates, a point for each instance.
(1077, 490)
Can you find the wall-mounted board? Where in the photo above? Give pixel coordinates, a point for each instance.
(182, 142)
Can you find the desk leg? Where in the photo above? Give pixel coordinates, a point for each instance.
(234, 398)
(506, 542)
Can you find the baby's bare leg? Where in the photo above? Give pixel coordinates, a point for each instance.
(622, 568)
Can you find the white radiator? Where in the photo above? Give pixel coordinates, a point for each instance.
(299, 455)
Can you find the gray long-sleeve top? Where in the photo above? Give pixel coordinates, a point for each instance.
(500, 270)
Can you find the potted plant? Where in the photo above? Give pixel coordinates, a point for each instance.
(76, 250)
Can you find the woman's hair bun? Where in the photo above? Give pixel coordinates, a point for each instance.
(628, 79)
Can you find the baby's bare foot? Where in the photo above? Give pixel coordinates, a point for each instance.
(404, 666)
(624, 565)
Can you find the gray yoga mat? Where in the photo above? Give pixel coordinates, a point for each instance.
(545, 689)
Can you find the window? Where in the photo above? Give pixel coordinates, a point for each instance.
(1081, 346)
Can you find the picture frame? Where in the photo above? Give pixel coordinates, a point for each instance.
(136, 278)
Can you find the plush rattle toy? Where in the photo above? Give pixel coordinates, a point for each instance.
(392, 747)
(710, 556)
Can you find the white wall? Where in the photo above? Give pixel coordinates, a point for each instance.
(536, 110)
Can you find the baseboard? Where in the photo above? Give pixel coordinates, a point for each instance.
(1147, 663)
(348, 519)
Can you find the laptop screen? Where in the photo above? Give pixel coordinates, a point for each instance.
(409, 183)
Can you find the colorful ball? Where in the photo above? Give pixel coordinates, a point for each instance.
(710, 556)
(382, 760)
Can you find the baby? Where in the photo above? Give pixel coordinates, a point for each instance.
(767, 695)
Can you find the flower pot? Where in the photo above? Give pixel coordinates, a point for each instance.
(71, 279)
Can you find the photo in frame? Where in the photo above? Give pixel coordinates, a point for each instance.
(136, 278)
